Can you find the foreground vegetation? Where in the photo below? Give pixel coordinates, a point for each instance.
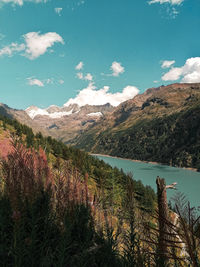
(61, 207)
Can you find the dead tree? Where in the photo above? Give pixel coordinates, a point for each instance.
(163, 219)
(176, 239)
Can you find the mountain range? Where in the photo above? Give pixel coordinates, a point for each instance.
(63, 123)
(162, 124)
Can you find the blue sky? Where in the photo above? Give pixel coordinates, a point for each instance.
(122, 44)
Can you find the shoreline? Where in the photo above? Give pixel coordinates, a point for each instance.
(143, 161)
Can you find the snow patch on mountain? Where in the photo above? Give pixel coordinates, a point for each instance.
(57, 115)
(96, 114)
(35, 111)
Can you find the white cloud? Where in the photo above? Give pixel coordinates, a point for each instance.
(87, 77)
(171, 6)
(167, 64)
(35, 45)
(80, 75)
(61, 81)
(92, 96)
(172, 2)
(79, 66)
(172, 75)
(32, 81)
(116, 68)
(58, 10)
(9, 50)
(188, 73)
(21, 2)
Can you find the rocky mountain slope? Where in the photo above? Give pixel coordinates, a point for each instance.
(63, 123)
(162, 124)
(67, 122)
(21, 116)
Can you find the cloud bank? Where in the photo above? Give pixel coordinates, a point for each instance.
(188, 73)
(92, 96)
(35, 44)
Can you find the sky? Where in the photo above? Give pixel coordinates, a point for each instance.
(56, 52)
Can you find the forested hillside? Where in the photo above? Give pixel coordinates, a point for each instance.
(162, 125)
(173, 140)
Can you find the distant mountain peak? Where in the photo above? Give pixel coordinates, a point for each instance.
(34, 111)
(53, 112)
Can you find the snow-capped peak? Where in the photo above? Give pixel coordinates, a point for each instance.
(34, 111)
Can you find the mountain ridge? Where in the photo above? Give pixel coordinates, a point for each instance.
(141, 128)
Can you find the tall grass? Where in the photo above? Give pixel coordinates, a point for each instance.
(45, 215)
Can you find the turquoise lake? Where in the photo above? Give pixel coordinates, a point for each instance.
(188, 182)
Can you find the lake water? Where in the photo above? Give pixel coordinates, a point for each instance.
(188, 182)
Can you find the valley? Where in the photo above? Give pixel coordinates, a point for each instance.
(161, 125)
(84, 198)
